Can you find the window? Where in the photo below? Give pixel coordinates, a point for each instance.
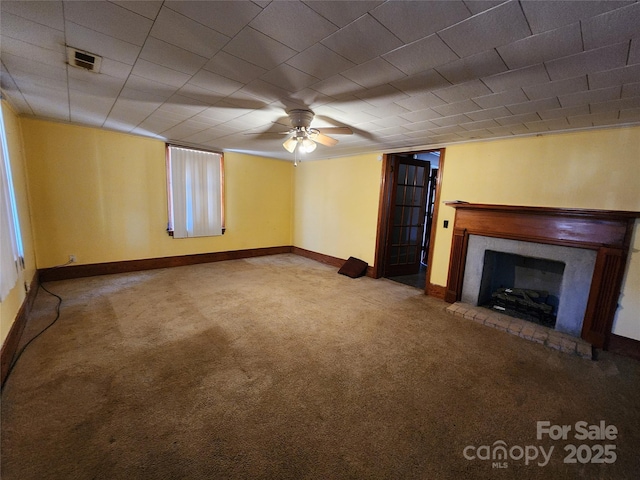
(195, 192)
(11, 251)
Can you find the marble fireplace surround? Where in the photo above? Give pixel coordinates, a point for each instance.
(606, 233)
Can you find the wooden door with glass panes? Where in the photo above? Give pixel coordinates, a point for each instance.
(406, 225)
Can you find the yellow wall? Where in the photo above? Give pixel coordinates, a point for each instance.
(11, 305)
(598, 169)
(336, 206)
(101, 196)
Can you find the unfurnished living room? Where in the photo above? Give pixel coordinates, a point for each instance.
(320, 239)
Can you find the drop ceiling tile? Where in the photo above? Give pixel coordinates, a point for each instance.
(534, 106)
(480, 124)
(503, 98)
(188, 34)
(183, 106)
(542, 47)
(488, 113)
(110, 19)
(420, 102)
(170, 56)
(456, 93)
(515, 119)
(631, 115)
(342, 13)
(22, 68)
(410, 21)
(293, 24)
(49, 14)
(288, 78)
(381, 96)
(182, 130)
(91, 41)
(551, 14)
(557, 124)
(263, 91)
(611, 27)
(615, 105)
(421, 55)
(227, 18)
(202, 95)
(617, 76)
(320, 62)
(89, 108)
(392, 120)
(558, 87)
(420, 116)
(234, 68)
(146, 8)
(634, 52)
(222, 112)
(517, 78)
(146, 90)
(30, 32)
(215, 83)
(373, 73)
(472, 67)
(631, 90)
(499, 26)
(452, 120)
(257, 48)
(35, 53)
(336, 86)
(457, 107)
(310, 98)
(421, 82)
(115, 69)
(477, 6)
(605, 58)
(564, 112)
(362, 40)
(83, 81)
(161, 74)
(46, 106)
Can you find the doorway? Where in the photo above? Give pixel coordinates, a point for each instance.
(408, 208)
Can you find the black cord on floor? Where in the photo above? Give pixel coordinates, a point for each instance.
(19, 354)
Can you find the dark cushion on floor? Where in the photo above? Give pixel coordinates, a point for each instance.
(354, 267)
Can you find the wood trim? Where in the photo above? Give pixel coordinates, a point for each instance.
(10, 345)
(628, 347)
(90, 270)
(327, 259)
(383, 216)
(607, 232)
(434, 226)
(436, 291)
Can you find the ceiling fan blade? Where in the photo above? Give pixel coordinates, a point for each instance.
(324, 140)
(336, 130)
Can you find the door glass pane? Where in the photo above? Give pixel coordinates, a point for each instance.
(411, 175)
(397, 216)
(417, 196)
(412, 256)
(402, 174)
(395, 235)
(394, 255)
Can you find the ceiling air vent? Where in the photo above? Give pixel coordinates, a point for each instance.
(82, 59)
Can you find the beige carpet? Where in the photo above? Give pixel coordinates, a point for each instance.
(279, 368)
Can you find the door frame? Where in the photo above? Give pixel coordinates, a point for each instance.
(384, 213)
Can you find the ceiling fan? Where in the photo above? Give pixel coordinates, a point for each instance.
(303, 137)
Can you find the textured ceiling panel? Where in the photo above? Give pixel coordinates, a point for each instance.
(401, 74)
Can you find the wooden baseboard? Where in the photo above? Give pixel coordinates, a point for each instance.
(628, 347)
(10, 345)
(327, 259)
(90, 270)
(436, 291)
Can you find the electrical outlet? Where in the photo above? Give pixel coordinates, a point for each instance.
(72, 259)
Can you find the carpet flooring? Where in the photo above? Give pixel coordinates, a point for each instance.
(279, 368)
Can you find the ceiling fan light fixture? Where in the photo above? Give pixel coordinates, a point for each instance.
(308, 145)
(290, 144)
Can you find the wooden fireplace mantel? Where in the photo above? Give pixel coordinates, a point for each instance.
(608, 232)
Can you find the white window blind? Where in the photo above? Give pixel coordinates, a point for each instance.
(11, 252)
(195, 192)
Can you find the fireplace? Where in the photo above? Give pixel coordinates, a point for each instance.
(564, 273)
(593, 245)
